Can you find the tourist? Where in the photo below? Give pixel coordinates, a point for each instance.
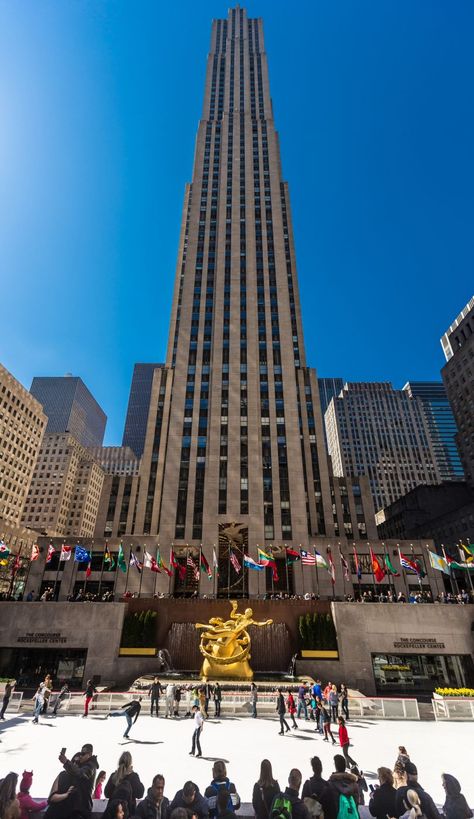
(382, 800)
(154, 692)
(264, 791)
(224, 805)
(291, 793)
(317, 690)
(124, 784)
(291, 706)
(191, 800)
(317, 789)
(344, 694)
(343, 784)
(155, 805)
(217, 695)
(333, 702)
(344, 741)
(254, 699)
(198, 727)
(8, 691)
(88, 694)
(81, 771)
(169, 700)
(129, 711)
(47, 691)
(188, 698)
(317, 715)
(326, 692)
(208, 691)
(361, 784)
(413, 805)
(39, 702)
(117, 811)
(281, 710)
(9, 804)
(302, 691)
(60, 697)
(221, 781)
(326, 721)
(202, 702)
(28, 806)
(455, 806)
(428, 807)
(101, 776)
(176, 700)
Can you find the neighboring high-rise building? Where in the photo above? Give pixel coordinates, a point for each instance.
(65, 491)
(138, 405)
(22, 425)
(441, 425)
(380, 432)
(329, 388)
(116, 460)
(70, 407)
(458, 377)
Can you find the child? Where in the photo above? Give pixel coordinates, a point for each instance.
(27, 804)
(101, 776)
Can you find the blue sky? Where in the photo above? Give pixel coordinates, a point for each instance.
(99, 103)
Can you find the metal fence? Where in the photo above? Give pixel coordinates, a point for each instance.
(451, 708)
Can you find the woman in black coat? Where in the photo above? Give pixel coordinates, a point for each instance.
(382, 801)
(264, 791)
(455, 806)
(125, 775)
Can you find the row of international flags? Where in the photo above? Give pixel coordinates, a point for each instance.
(380, 566)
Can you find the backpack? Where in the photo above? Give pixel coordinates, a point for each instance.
(122, 795)
(315, 809)
(347, 808)
(212, 800)
(281, 807)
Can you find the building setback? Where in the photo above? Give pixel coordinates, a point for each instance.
(458, 377)
(380, 432)
(70, 407)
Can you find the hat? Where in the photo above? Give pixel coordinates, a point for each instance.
(410, 768)
(26, 781)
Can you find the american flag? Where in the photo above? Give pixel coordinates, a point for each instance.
(234, 561)
(193, 566)
(307, 558)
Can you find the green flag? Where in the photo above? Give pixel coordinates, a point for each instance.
(121, 562)
(390, 567)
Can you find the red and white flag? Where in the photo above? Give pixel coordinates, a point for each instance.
(332, 568)
(35, 552)
(344, 564)
(66, 552)
(51, 552)
(149, 562)
(234, 561)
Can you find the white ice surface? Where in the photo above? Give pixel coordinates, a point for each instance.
(162, 746)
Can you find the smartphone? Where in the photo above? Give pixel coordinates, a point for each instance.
(63, 751)
(371, 788)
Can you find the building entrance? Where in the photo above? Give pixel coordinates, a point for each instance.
(421, 673)
(29, 666)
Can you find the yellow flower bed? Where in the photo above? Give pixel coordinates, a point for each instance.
(455, 692)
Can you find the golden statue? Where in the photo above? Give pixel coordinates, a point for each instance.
(225, 645)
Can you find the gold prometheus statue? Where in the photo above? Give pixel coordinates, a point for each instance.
(225, 645)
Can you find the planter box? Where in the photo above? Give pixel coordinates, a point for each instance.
(310, 654)
(137, 652)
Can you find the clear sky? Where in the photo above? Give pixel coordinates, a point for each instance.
(99, 105)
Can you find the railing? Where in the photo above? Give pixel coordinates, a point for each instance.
(452, 708)
(16, 699)
(384, 707)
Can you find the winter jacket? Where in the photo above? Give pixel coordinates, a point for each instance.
(345, 784)
(138, 788)
(83, 778)
(281, 708)
(149, 810)
(455, 806)
(262, 799)
(132, 708)
(198, 806)
(428, 807)
(28, 806)
(298, 807)
(319, 788)
(291, 704)
(343, 736)
(382, 801)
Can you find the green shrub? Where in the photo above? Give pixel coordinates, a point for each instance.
(139, 630)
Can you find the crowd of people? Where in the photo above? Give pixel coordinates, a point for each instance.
(397, 794)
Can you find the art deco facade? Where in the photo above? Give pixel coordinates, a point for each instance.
(22, 425)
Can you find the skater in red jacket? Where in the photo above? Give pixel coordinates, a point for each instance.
(344, 740)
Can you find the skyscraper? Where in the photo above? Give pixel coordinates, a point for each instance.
(70, 407)
(138, 405)
(441, 424)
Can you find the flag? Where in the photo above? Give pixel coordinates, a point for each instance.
(377, 568)
(51, 552)
(107, 556)
(149, 562)
(190, 562)
(292, 556)
(173, 562)
(390, 567)
(332, 568)
(205, 568)
(320, 561)
(456, 564)
(265, 558)
(469, 549)
(17, 564)
(357, 564)
(35, 552)
(250, 563)
(4, 550)
(409, 565)
(344, 564)
(234, 561)
(121, 562)
(88, 570)
(438, 562)
(307, 559)
(81, 555)
(65, 552)
(215, 561)
(134, 561)
(161, 563)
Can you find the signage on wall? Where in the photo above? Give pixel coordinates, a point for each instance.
(42, 637)
(418, 642)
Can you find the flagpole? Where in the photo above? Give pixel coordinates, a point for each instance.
(302, 573)
(357, 568)
(372, 570)
(116, 572)
(215, 570)
(74, 569)
(141, 577)
(57, 572)
(156, 573)
(258, 576)
(435, 574)
(102, 569)
(468, 570)
(420, 579)
(128, 570)
(287, 572)
(388, 572)
(342, 570)
(273, 572)
(317, 574)
(403, 573)
(28, 571)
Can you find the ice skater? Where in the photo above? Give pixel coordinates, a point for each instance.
(198, 726)
(130, 711)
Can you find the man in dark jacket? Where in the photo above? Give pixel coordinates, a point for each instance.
(318, 788)
(298, 807)
(82, 773)
(6, 697)
(281, 710)
(428, 807)
(342, 782)
(191, 800)
(155, 805)
(129, 711)
(154, 691)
